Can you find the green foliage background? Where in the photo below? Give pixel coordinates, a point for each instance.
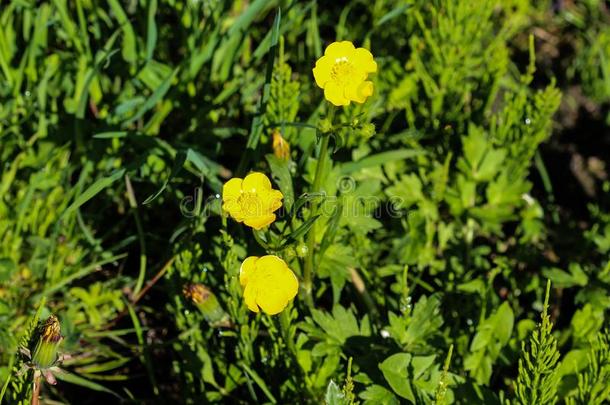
(486, 177)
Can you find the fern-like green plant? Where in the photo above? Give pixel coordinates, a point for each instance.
(17, 389)
(538, 377)
(594, 382)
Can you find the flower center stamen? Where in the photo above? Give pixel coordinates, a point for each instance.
(342, 70)
(250, 204)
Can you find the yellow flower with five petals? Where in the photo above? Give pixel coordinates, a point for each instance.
(251, 200)
(268, 284)
(343, 71)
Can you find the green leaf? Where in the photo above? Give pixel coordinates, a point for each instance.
(475, 145)
(111, 135)
(492, 335)
(256, 128)
(178, 163)
(299, 232)
(341, 324)
(151, 36)
(395, 12)
(407, 191)
(281, 174)
(504, 320)
(395, 371)
(380, 159)
(207, 167)
(331, 228)
(425, 319)
(129, 38)
(491, 164)
(378, 395)
(93, 190)
(7, 269)
(260, 382)
(83, 382)
(335, 264)
(561, 278)
(334, 396)
(154, 98)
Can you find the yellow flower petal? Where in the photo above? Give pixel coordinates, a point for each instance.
(256, 182)
(339, 49)
(272, 267)
(269, 284)
(250, 294)
(290, 283)
(272, 201)
(259, 222)
(231, 189)
(272, 302)
(321, 72)
(247, 269)
(363, 59)
(359, 92)
(335, 94)
(271, 263)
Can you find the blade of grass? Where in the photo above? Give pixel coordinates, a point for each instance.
(133, 203)
(145, 358)
(83, 382)
(151, 36)
(260, 382)
(79, 274)
(92, 191)
(154, 98)
(256, 128)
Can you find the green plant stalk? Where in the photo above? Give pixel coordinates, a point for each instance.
(285, 328)
(143, 257)
(36, 390)
(311, 236)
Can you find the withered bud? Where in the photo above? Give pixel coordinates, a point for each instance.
(48, 338)
(198, 293)
(208, 304)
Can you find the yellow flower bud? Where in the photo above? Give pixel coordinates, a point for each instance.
(325, 126)
(281, 148)
(368, 130)
(302, 250)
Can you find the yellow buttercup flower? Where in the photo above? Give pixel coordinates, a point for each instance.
(268, 284)
(342, 73)
(251, 200)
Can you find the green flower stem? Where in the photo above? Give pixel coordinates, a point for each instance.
(288, 336)
(285, 328)
(311, 236)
